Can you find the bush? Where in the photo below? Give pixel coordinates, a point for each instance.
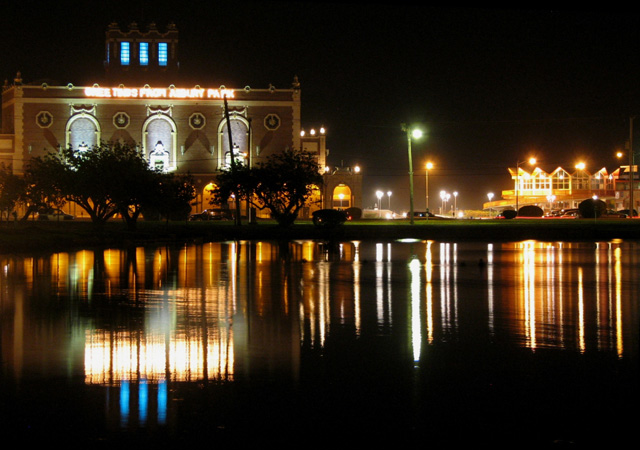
(509, 213)
(328, 218)
(354, 213)
(530, 211)
(591, 208)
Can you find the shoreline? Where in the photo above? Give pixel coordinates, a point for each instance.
(37, 237)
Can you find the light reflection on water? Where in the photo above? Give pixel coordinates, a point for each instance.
(140, 322)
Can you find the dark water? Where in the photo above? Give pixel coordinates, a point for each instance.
(517, 345)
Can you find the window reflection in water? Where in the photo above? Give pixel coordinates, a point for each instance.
(146, 317)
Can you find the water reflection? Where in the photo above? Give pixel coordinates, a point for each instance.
(138, 320)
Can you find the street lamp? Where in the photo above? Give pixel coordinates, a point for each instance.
(389, 195)
(379, 194)
(631, 166)
(429, 167)
(490, 196)
(341, 195)
(631, 163)
(416, 134)
(455, 203)
(443, 194)
(551, 198)
(531, 161)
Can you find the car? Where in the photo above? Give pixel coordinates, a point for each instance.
(626, 212)
(574, 212)
(54, 214)
(327, 218)
(212, 214)
(611, 214)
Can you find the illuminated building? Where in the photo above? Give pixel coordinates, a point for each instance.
(142, 102)
(561, 189)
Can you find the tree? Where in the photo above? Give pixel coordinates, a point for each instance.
(12, 188)
(40, 190)
(105, 180)
(592, 208)
(172, 197)
(283, 184)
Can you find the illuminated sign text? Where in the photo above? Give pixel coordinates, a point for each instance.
(148, 92)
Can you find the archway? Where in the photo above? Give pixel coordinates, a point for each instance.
(341, 198)
(83, 131)
(159, 132)
(240, 131)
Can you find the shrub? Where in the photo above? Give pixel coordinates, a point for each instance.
(592, 208)
(354, 213)
(530, 211)
(329, 218)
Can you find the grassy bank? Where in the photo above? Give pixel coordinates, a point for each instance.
(45, 236)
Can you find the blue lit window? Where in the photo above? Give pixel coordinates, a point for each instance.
(124, 53)
(144, 53)
(163, 54)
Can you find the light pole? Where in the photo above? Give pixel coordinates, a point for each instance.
(551, 198)
(341, 195)
(443, 194)
(379, 194)
(455, 203)
(580, 167)
(429, 167)
(490, 196)
(415, 133)
(389, 195)
(531, 161)
(631, 162)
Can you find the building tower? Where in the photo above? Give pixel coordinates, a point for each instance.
(140, 57)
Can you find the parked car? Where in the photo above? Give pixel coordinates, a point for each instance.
(54, 214)
(611, 214)
(626, 211)
(570, 213)
(212, 214)
(329, 217)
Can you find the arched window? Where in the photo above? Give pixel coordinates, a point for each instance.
(341, 197)
(241, 141)
(83, 131)
(159, 133)
(207, 196)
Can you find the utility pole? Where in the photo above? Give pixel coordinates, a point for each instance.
(631, 158)
(233, 160)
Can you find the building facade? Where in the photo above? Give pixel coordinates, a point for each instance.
(178, 128)
(561, 189)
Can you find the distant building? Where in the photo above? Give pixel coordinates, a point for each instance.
(561, 189)
(178, 128)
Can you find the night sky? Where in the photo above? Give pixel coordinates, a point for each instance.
(490, 86)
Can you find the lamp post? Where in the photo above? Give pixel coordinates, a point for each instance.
(389, 195)
(455, 203)
(490, 196)
(415, 133)
(580, 167)
(631, 162)
(443, 194)
(531, 161)
(341, 195)
(379, 194)
(429, 167)
(551, 198)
